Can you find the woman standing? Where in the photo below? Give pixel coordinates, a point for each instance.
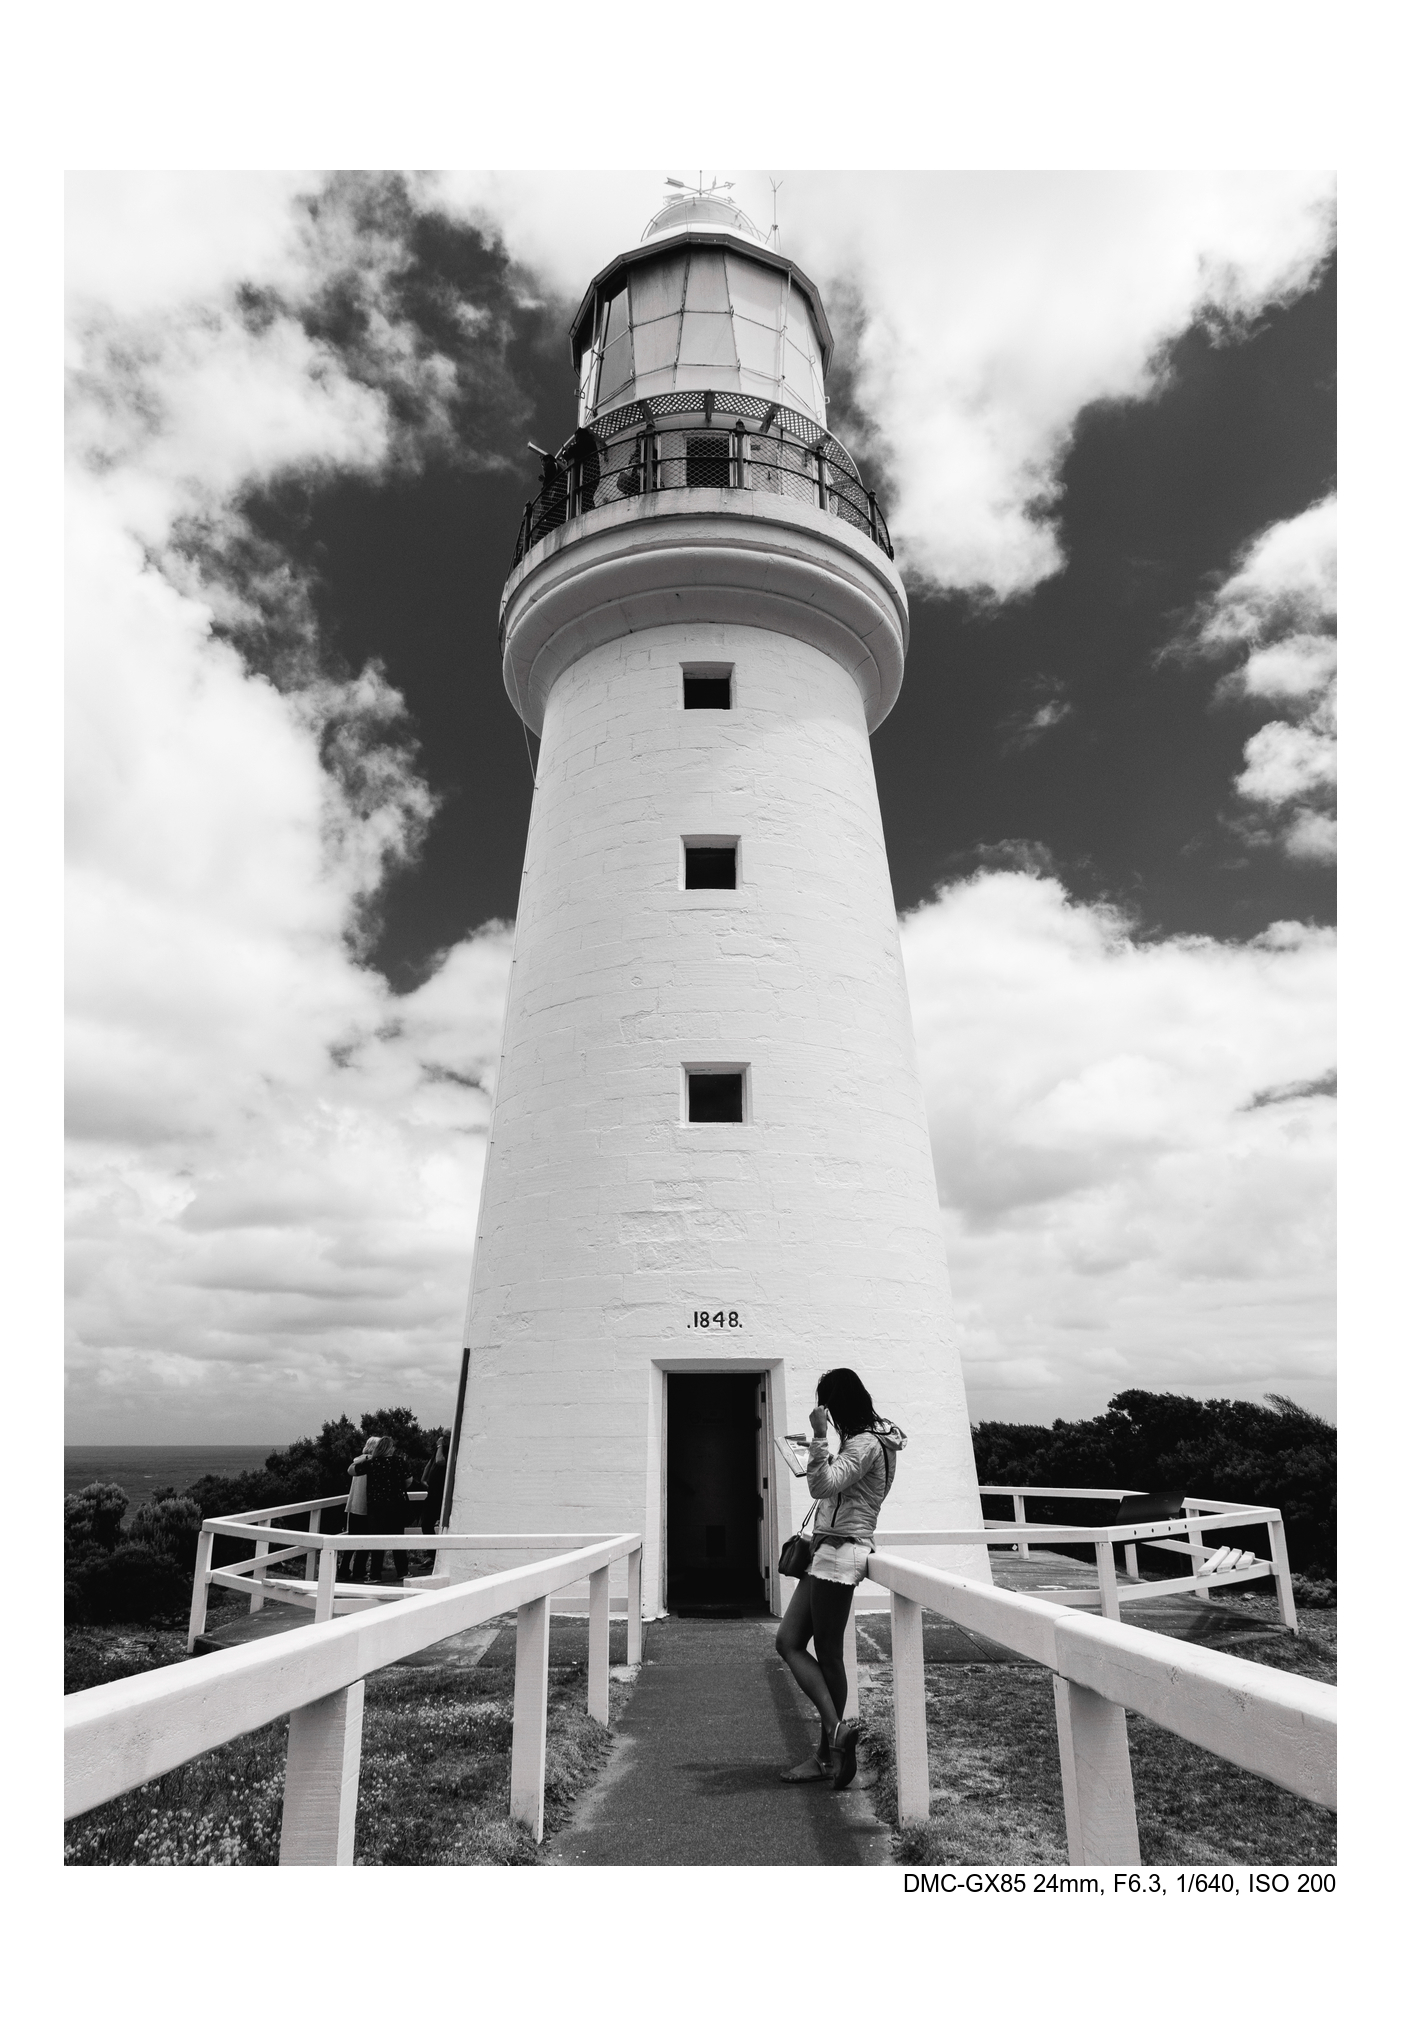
(386, 1479)
(850, 1489)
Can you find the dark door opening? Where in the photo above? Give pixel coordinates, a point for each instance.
(714, 1506)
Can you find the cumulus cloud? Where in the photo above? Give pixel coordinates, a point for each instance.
(273, 1159)
(1134, 1145)
(1275, 616)
(980, 313)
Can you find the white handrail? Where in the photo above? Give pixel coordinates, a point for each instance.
(992, 1532)
(1273, 1723)
(122, 1734)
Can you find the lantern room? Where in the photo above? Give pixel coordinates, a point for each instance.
(702, 303)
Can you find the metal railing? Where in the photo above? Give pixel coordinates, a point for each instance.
(701, 439)
(123, 1734)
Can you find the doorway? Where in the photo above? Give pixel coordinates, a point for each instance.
(715, 1485)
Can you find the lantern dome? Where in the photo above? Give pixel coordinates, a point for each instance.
(691, 208)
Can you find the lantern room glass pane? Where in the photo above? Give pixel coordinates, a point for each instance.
(656, 288)
(616, 372)
(654, 345)
(707, 340)
(797, 374)
(705, 284)
(755, 292)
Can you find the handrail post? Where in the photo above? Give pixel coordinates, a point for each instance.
(255, 1596)
(634, 1607)
(1101, 1821)
(1194, 1535)
(326, 1581)
(199, 1597)
(1284, 1582)
(532, 1695)
(1019, 1515)
(849, 1663)
(313, 1527)
(1108, 1582)
(598, 1645)
(911, 1720)
(322, 1790)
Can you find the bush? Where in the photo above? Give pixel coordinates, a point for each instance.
(93, 1516)
(169, 1527)
(132, 1584)
(1273, 1455)
(105, 1568)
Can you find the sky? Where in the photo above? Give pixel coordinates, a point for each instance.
(1099, 412)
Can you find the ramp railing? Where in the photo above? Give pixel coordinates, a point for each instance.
(1266, 1720)
(122, 1734)
(1208, 1568)
(262, 1577)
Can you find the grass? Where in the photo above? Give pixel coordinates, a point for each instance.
(434, 1770)
(995, 1793)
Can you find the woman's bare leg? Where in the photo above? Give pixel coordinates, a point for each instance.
(829, 1609)
(791, 1643)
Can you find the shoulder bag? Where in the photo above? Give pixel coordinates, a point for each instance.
(796, 1552)
(795, 1556)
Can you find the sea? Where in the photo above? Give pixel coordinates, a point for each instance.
(139, 1467)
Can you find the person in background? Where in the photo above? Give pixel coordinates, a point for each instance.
(387, 1486)
(434, 1478)
(357, 1507)
(850, 1489)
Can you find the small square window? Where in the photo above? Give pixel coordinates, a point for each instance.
(714, 1098)
(706, 686)
(711, 866)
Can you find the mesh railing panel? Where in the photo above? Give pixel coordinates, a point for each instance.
(629, 453)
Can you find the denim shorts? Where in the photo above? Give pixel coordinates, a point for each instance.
(840, 1562)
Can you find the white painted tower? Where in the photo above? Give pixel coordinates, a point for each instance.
(709, 1176)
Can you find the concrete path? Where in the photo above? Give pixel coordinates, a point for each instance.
(693, 1780)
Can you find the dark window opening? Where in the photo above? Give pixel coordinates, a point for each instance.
(705, 689)
(707, 459)
(710, 869)
(715, 1099)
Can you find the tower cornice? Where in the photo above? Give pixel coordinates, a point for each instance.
(704, 555)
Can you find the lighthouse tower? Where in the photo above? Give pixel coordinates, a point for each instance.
(709, 1174)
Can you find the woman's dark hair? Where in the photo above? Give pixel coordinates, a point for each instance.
(847, 1401)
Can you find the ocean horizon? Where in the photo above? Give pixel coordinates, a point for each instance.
(140, 1468)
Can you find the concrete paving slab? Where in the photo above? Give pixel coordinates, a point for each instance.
(695, 1776)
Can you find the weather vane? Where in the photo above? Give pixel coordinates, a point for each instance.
(700, 189)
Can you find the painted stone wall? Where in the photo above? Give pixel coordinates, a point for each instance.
(607, 1222)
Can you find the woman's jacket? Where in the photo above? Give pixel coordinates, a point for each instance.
(851, 1486)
